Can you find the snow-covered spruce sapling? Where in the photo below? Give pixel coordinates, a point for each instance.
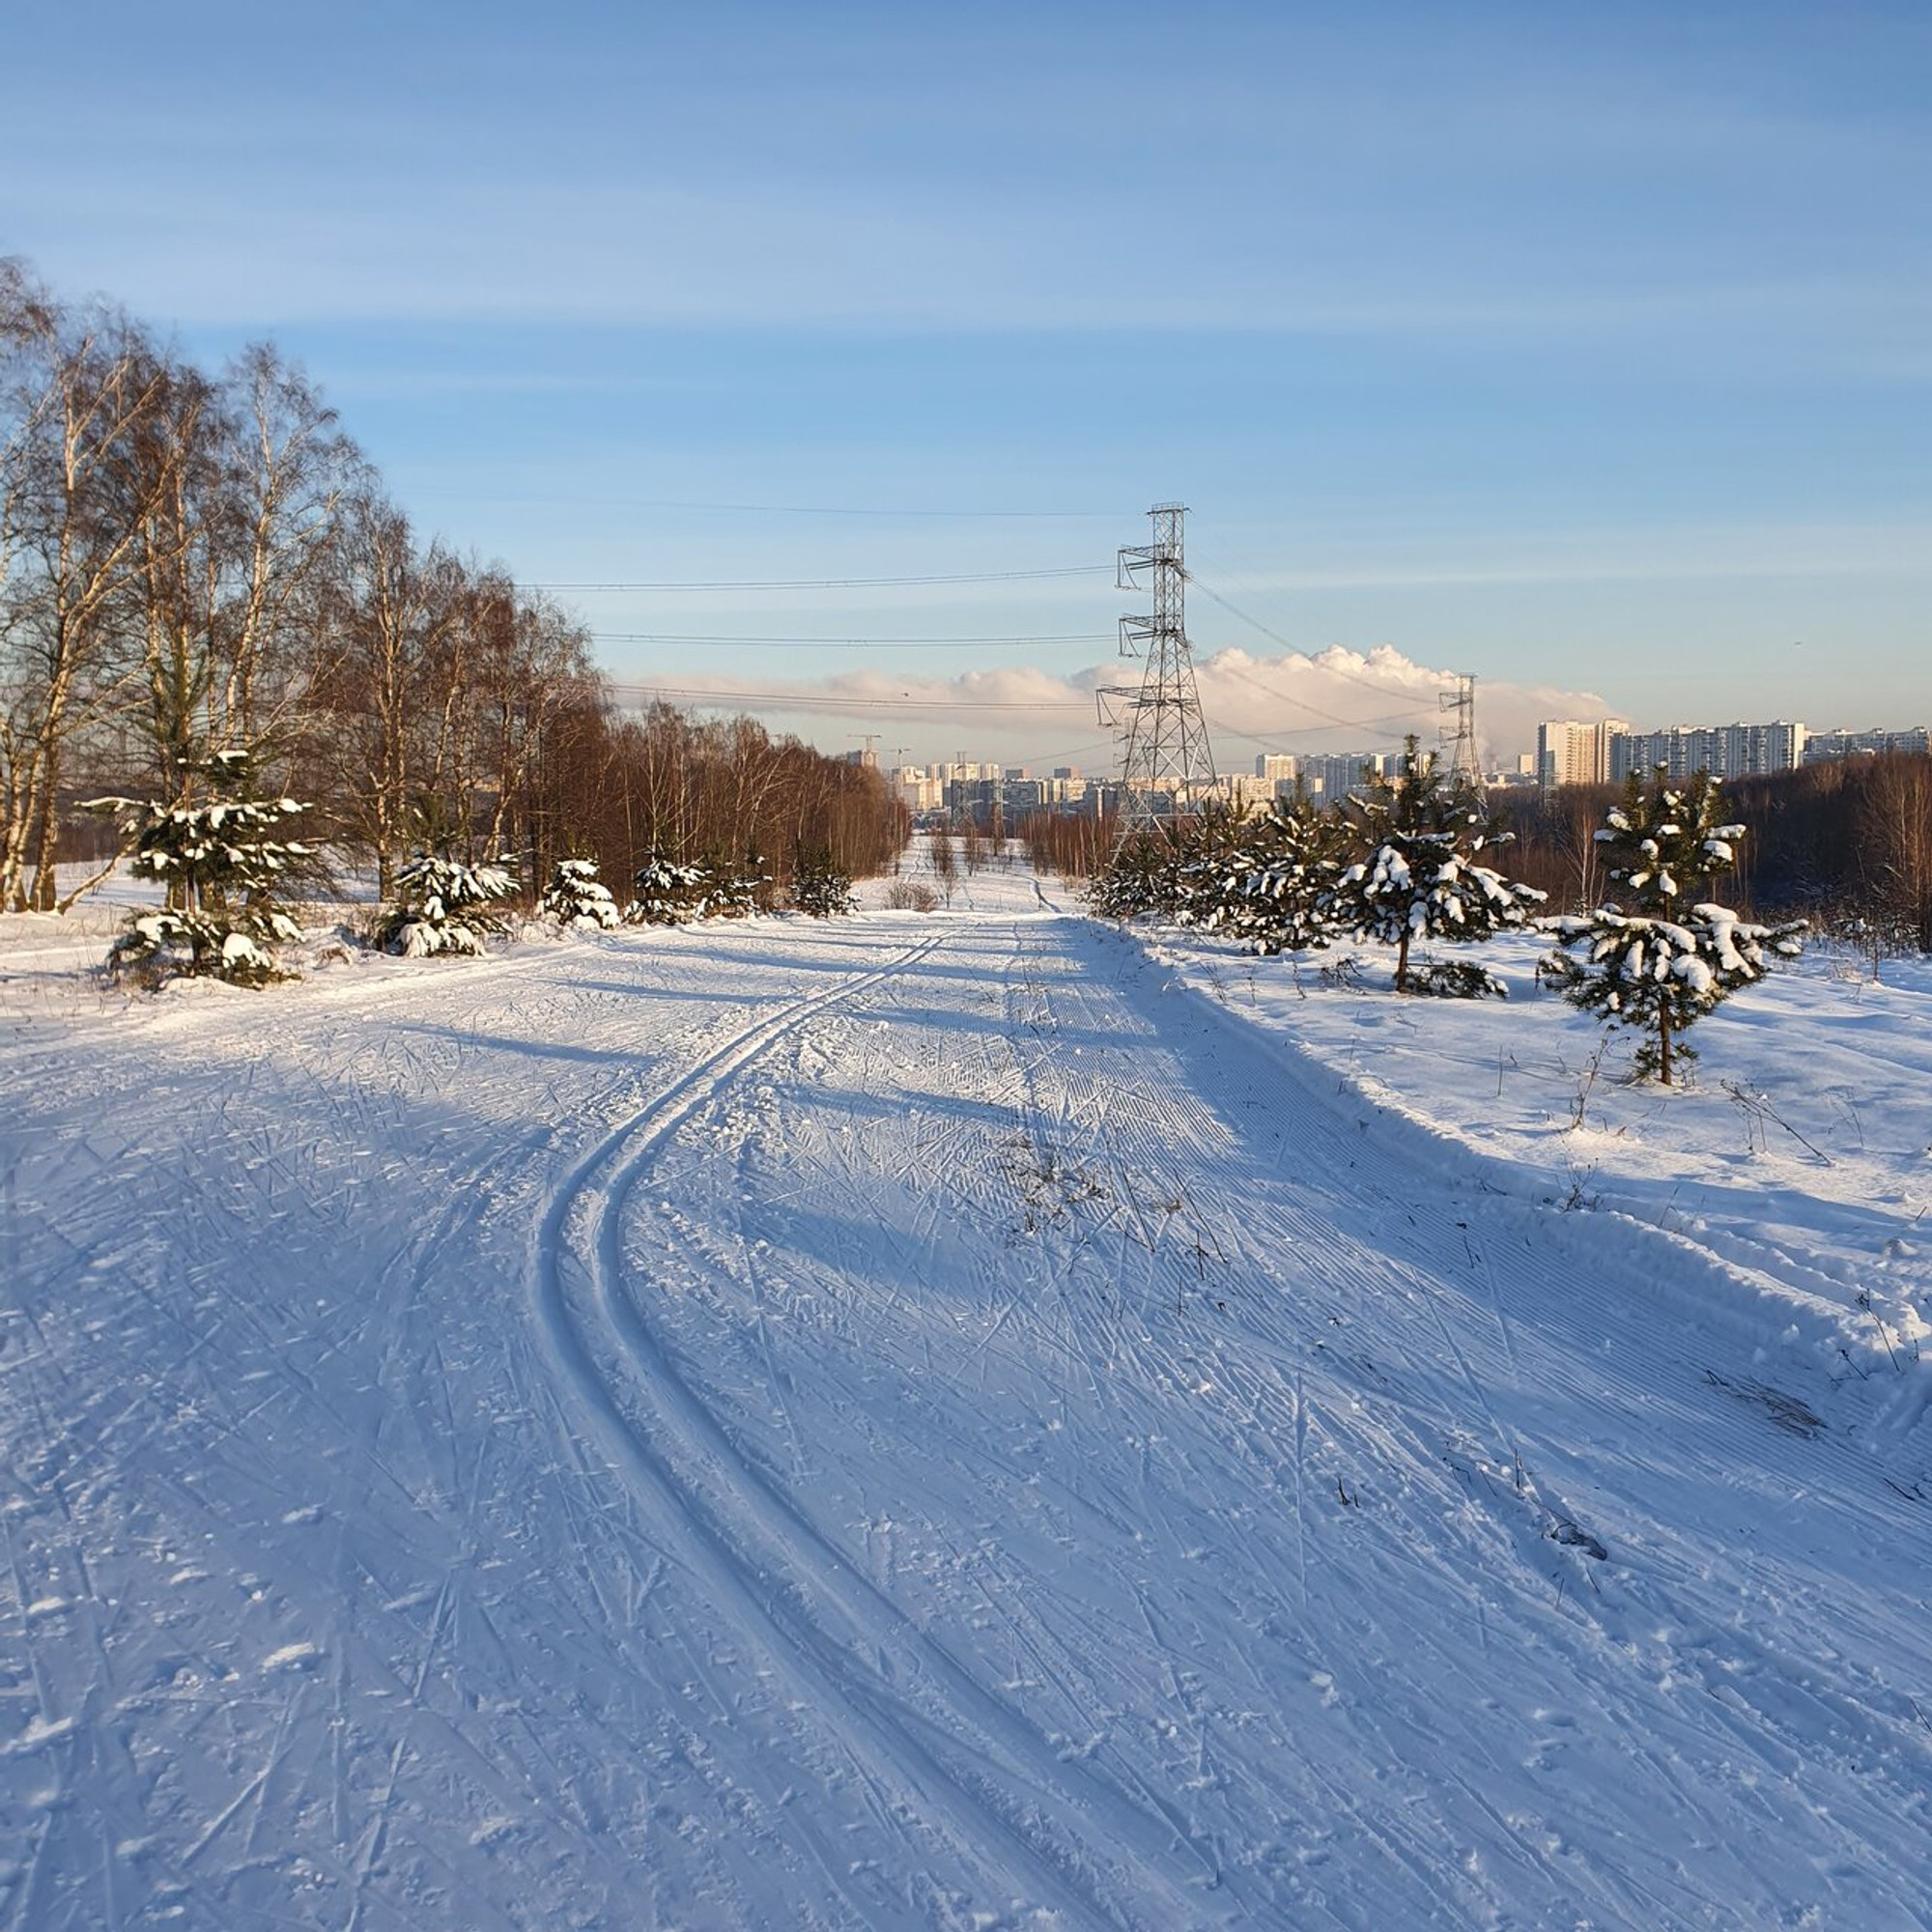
(668, 893)
(224, 866)
(1142, 875)
(1419, 877)
(576, 897)
(818, 887)
(443, 906)
(1282, 897)
(1648, 961)
(1210, 861)
(740, 889)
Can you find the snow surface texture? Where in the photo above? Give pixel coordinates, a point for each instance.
(962, 1421)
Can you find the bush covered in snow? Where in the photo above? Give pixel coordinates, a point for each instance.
(741, 889)
(1648, 962)
(577, 898)
(224, 868)
(443, 906)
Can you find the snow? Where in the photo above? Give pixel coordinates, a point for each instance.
(969, 1419)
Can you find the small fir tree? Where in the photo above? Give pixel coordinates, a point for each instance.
(818, 887)
(576, 897)
(1419, 878)
(739, 890)
(1142, 875)
(225, 867)
(1211, 858)
(1282, 901)
(669, 892)
(1648, 961)
(443, 906)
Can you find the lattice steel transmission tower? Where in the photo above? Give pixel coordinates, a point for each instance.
(1459, 735)
(1165, 760)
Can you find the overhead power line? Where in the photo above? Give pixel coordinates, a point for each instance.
(861, 510)
(1275, 636)
(1302, 704)
(847, 643)
(849, 583)
(794, 700)
(602, 502)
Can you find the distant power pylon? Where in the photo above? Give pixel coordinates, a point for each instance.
(1165, 759)
(1460, 734)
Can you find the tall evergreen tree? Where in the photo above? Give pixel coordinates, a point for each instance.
(1648, 961)
(1419, 877)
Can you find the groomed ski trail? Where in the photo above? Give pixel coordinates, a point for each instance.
(968, 1760)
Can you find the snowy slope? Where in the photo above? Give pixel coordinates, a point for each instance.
(909, 1421)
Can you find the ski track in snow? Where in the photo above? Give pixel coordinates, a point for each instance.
(904, 1422)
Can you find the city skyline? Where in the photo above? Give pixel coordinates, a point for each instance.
(1581, 353)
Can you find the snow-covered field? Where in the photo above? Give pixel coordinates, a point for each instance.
(970, 1420)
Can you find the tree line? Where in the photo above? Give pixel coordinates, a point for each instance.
(196, 565)
(1407, 863)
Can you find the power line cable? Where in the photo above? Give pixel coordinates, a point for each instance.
(852, 582)
(848, 643)
(1294, 650)
(775, 509)
(780, 701)
(1302, 703)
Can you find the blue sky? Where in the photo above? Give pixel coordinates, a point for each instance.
(1589, 351)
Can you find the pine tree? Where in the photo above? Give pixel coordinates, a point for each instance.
(1419, 878)
(443, 906)
(576, 896)
(1648, 962)
(224, 866)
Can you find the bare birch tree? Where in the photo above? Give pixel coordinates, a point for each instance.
(77, 388)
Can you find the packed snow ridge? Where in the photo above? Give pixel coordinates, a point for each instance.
(971, 1420)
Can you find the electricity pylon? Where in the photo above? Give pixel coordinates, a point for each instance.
(1166, 763)
(1465, 766)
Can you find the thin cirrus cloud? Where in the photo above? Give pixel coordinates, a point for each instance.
(873, 258)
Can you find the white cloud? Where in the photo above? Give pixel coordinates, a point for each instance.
(1336, 700)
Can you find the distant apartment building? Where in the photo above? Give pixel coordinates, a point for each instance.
(919, 788)
(1573, 754)
(1346, 775)
(1569, 753)
(1821, 746)
(1273, 768)
(1725, 751)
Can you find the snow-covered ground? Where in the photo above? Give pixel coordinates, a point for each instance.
(968, 1420)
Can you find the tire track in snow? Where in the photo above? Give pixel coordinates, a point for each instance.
(1005, 1792)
